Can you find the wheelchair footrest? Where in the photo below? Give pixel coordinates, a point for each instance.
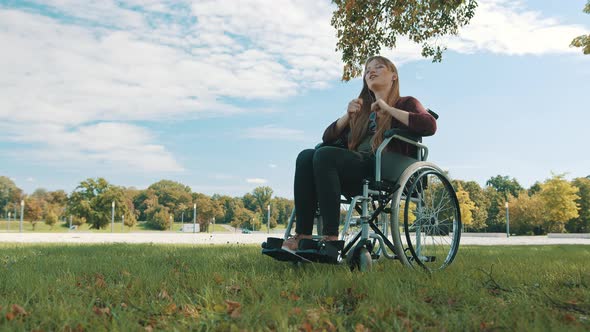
(320, 251)
(273, 247)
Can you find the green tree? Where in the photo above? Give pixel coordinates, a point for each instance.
(281, 209)
(535, 188)
(262, 197)
(207, 209)
(583, 40)
(581, 224)
(143, 201)
(364, 26)
(33, 210)
(92, 199)
(10, 195)
(559, 198)
(466, 206)
(50, 218)
(478, 197)
(527, 213)
(250, 202)
(495, 221)
(505, 185)
(173, 195)
(158, 217)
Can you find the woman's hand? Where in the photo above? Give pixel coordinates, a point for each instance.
(380, 106)
(354, 106)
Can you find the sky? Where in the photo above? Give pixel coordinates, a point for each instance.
(222, 95)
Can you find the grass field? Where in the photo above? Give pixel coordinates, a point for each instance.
(234, 288)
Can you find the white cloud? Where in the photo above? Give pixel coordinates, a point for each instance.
(30, 179)
(85, 71)
(122, 145)
(256, 181)
(271, 132)
(508, 27)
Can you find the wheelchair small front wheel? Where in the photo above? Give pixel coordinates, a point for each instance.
(365, 260)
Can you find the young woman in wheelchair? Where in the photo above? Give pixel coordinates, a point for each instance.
(346, 156)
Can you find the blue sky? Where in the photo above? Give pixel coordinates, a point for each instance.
(221, 95)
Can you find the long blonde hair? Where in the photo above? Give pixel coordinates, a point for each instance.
(360, 123)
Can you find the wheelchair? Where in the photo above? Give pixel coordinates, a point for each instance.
(410, 213)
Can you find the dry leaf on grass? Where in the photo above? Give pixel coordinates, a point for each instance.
(101, 311)
(99, 281)
(233, 308)
(163, 295)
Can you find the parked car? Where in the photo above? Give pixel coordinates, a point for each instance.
(246, 231)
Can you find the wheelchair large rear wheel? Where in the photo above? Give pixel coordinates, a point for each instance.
(426, 218)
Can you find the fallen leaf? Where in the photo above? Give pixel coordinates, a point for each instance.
(163, 295)
(306, 326)
(360, 328)
(233, 308)
(569, 318)
(313, 316)
(101, 311)
(123, 305)
(190, 310)
(428, 299)
(170, 309)
(18, 310)
(485, 326)
(217, 278)
(99, 281)
(293, 297)
(295, 311)
(10, 316)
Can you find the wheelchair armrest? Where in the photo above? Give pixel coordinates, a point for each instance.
(404, 136)
(403, 133)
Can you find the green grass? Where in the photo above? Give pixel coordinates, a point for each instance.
(41, 227)
(232, 288)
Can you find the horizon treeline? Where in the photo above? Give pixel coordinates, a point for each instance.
(555, 205)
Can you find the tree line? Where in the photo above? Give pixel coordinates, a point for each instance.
(555, 205)
(159, 205)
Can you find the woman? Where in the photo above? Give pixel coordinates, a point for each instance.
(323, 174)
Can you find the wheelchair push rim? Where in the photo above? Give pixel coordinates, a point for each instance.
(428, 205)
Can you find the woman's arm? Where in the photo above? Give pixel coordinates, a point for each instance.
(414, 115)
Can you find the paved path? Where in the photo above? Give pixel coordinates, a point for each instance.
(255, 238)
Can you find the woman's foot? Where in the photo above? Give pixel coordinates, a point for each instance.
(292, 243)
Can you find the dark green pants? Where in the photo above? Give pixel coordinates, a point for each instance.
(321, 176)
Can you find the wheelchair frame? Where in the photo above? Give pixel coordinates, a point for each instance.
(412, 187)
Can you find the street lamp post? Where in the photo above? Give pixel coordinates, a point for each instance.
(123, 223)
(195, 218)
(507, 220)
(112, 216)
(268, 219)
(182, 222)
(22, 210)
(70, 228)
(213, 229)
(8, 224)
(171, 221)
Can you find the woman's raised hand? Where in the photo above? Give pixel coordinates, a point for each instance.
(354, 106)
(380, 106)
